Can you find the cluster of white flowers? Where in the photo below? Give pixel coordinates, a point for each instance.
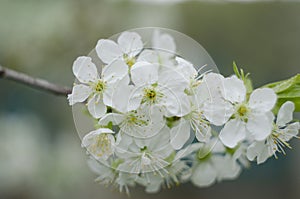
(161, 122)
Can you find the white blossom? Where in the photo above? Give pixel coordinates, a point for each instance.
(100, 143)
(251, 117)
(211, 165)
(97, 89)
(159, 122)
(283, 130)
(162, 50)
(126, 49)
(154, 87)
(146, 155)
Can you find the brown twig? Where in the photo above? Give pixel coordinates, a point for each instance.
(33, 82)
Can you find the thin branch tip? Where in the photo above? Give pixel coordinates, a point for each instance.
(33, 82)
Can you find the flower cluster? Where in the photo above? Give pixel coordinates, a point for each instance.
(161, 122)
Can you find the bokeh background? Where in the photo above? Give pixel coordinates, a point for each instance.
(40, 153)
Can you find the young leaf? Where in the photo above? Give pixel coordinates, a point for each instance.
(287, 90)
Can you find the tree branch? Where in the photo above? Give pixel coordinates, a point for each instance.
(33, 82)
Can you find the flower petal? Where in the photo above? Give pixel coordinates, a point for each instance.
(259, 150)
(115, 118)
(85, 70)
(163, 42)
(79, 93)
(218, 111)
(203, 133)
(204, 175)
(285, 114)
(226, 166)
(290, 131)
(214, 84)
(131, 43)
(233, 132)
(262, 100)
(187, 68)
(172, 79)
(150, 56)
(144, 73)
(180, 134)
(96, 107)
(260, 126)
(176, 103)
(86, 140)
(114, 71)
(234, 89)
(107, 50)
(119, 95)
(135, 98)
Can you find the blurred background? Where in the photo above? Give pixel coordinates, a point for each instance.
(40, 153)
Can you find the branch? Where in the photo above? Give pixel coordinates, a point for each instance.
(33, 82)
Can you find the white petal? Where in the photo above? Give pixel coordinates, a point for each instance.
(204, 175)
(110, 94)
(234, 89)
(86, 140)
(144, 73)
(188, 150)
(115, 118)
(262, 100)
(290, 131)
(214, 85)
(180, 134)
(135, 98)
(218, 111)
(203, 133)
(161, 142)
(96, 108)
(79, 93)
(150, 56)
(172, 79)
(260, 126)
(153, 115)
(285, 114)
(120, 96)
(163, 42)
(260, 151)
(107, 50)
(131, 43)
(226, 166)
(114, 71)
(233, 132)
(85, 70)
(186, 67)
(154, 187)
(176, 104)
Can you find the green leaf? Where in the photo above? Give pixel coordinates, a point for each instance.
(287, 90)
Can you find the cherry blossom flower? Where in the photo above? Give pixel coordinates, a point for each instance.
(99, 143)
(129, 45)
(251, 117)
(97, 89)
(283, 131)
(160, 122)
